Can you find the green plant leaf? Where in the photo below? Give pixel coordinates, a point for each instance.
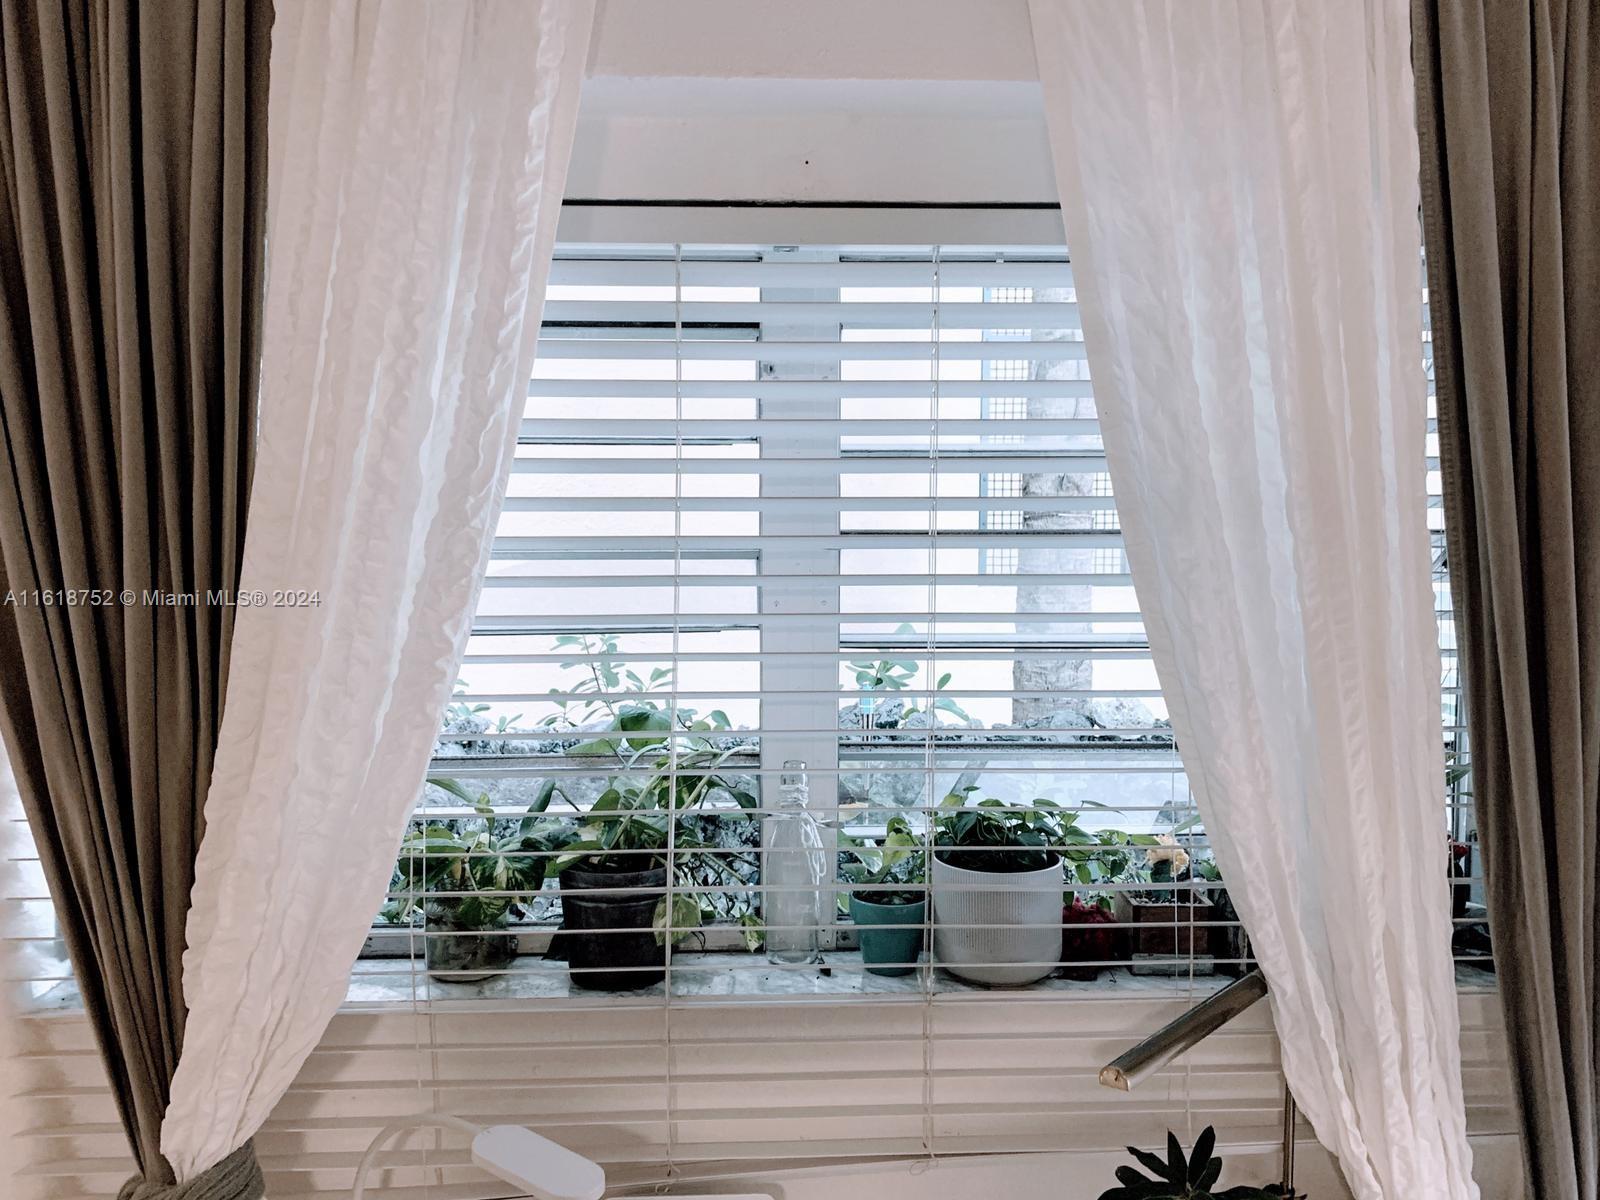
(451, 787)
(1177, 1166)
(651, 721)
(754, 931)
(1150, 1162)
(576, 852)
(439, 845)
(685, 917)
(542, 798)
(1200, 1158)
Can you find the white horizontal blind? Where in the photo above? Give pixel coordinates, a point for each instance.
(850, 507)
(1468, 914)
(738, 1089)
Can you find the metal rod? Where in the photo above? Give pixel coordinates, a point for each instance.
(1132, 1066)
(1290, 1113)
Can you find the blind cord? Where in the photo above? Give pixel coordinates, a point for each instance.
(930, 757)
(672, 724)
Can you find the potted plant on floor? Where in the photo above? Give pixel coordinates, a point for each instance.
(997, 886)
(1186, 1177)
(887, 901)
(469, 878)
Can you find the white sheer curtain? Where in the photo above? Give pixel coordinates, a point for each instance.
(1239, 186)
(418, 157)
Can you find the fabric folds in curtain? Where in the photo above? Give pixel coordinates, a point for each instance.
(1239, 186)
(418, 159)
(1506, 109)
(132, 201)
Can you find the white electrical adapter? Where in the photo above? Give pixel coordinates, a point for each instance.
(547, 1170)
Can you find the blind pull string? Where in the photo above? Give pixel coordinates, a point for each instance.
(930, 763)
(669, 1050)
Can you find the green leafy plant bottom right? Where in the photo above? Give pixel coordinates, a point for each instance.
(1186, 1177)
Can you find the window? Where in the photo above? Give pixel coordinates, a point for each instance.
(750, 478)
(794, 505)
(761, 494)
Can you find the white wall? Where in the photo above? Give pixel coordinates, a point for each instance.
(815, 39)
(933, 101)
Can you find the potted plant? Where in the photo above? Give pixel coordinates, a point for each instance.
(1186, 1177)
(1089, 942)
(1090, 937)
(888, 899)
(1229, 943)
(1168, 915)
(997, 884)
(616, 921)
(875, 676)
(469, 877)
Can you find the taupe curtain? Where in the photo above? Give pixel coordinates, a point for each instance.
(132, 204)
(1507, 100)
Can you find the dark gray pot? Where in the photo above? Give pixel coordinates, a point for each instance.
(609, 939)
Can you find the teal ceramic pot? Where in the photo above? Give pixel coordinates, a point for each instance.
(890, 934)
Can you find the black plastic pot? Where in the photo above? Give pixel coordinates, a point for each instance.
(1230, 944)
(609, 939)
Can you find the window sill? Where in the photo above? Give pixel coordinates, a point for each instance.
(722, 976)
(718, 977)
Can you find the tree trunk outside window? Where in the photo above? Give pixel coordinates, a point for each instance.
(1052, 674)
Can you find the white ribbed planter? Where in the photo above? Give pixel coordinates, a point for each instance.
(999, 928)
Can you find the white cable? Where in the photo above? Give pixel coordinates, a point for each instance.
(399, 1126)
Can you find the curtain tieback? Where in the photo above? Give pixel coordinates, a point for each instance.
(237, 1177)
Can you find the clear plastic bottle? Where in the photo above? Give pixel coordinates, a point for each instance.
(795, 865)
